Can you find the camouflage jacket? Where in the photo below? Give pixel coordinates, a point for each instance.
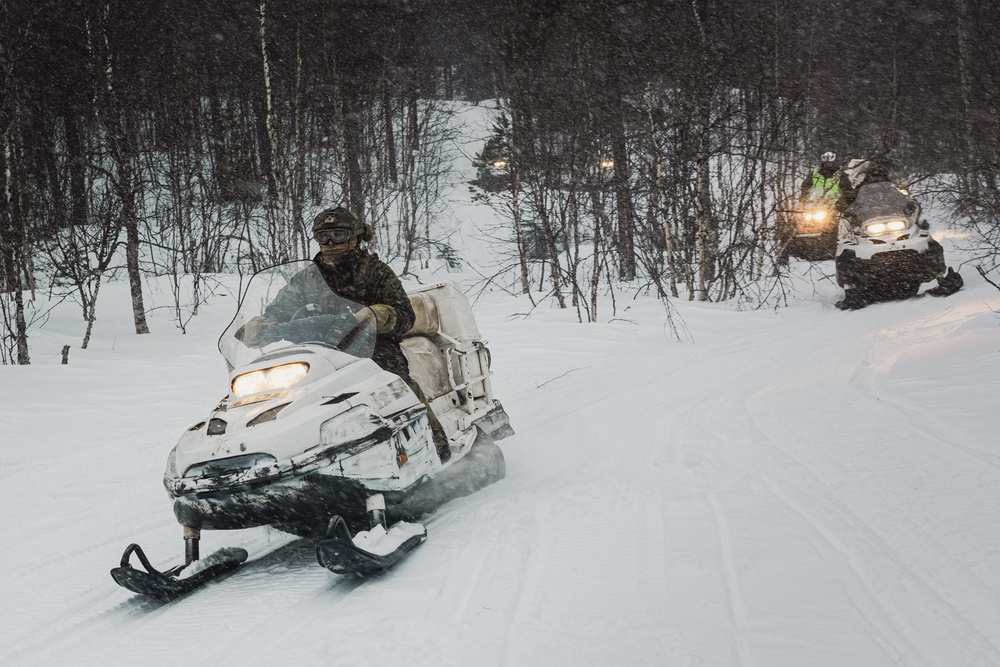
(363, 278)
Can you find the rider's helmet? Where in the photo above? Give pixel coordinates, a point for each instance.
(828, 157)
(340, 218)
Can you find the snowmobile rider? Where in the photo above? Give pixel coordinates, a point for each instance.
(828, 183)
(353, 272)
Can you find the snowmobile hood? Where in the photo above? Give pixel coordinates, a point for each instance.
(881, 199)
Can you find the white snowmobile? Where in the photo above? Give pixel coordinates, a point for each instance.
(316, 440)
(884, 248)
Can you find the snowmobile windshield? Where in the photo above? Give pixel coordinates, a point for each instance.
(880, 199)
(291, 304)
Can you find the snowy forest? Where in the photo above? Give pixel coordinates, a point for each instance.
(651, 142)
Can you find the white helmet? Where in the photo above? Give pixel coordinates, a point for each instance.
(828, 156)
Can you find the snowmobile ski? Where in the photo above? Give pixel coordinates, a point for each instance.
(368, 552)
(948, 284)
(171, 584)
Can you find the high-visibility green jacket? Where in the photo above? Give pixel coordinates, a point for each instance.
(828, 188)
(835, 188)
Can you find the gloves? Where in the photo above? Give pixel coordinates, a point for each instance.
(385, 317)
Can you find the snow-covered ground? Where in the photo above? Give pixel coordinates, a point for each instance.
(806, 486)
(794, 487)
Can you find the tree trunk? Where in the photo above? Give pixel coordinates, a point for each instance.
(130, 220)
(11, 237)
(120, 145)
(595, 276)
(965, 78)
(300, 233)
(77, 178)
(515, 200)
(623, 196)
(354, 146)
(555, 273)
(707, 248)
(274, 140)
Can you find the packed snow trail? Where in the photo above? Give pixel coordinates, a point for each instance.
(796, 487)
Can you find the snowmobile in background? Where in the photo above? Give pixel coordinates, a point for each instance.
(315, 439)
(493, 176)
(556, 164)
(814, 237)
(884, 249)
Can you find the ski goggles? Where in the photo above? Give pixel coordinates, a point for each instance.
(338, 236)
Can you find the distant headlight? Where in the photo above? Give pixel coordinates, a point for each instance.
(499, 164)
(878, 228)
(269, 379)
(816, 216)
(607, 164)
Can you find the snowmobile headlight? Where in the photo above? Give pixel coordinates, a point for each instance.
(607, 164)
(816, 216)
(499, 164)
(355, 424)
(269, 379)
(878, 228)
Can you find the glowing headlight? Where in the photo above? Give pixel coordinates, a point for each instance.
(607, 164)
(355, 424)
(816, 216)
(885, 227)
(499, 164)
(269, 379)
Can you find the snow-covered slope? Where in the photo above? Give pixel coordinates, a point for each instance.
(804, 486)
(799, 487)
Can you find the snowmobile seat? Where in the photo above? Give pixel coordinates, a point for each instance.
(427, 366)
(427, 322)
(427, 363)
(447, 355)
(449, 359)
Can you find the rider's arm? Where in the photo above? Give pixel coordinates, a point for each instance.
(806, 188)
(847, 193)
(386, 290)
